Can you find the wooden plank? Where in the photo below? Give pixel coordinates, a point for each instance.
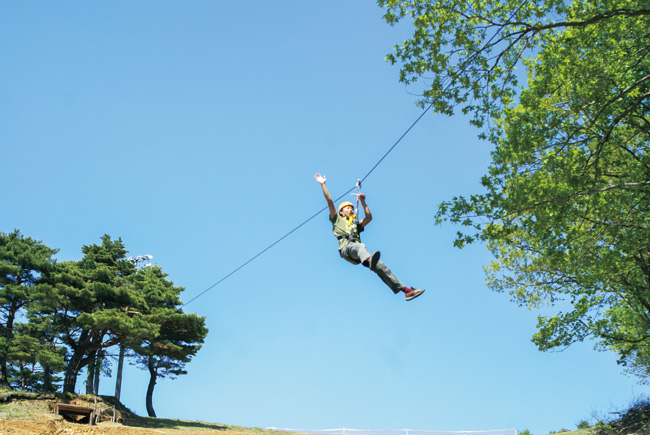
(75, 410)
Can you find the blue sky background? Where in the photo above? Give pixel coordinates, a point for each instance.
(192, 130)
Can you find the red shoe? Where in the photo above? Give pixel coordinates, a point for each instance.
(412, 293)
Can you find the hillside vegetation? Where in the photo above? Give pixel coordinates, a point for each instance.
(31, 413)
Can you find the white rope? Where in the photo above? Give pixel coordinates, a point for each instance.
(345, 431)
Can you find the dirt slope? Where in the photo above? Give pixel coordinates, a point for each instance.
(22, 414)
(49, 426)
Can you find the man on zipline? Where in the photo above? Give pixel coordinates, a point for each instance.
(346, 228)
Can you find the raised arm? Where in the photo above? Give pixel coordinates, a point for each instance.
(366, 211)
(330, 204)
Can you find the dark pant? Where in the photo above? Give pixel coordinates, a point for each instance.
(357, 252)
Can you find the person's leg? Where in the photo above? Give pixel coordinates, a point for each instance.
(388, 278)
(355, 253)
(394, 284)
(358, 253)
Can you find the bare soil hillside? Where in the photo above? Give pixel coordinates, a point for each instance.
(32, 414)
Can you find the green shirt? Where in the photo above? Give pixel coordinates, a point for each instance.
(341, 227)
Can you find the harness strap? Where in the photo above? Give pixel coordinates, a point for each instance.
(355, 222)
(353, 228)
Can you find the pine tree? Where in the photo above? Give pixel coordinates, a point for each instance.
(95, 306)
(23, 264)
(180, 335)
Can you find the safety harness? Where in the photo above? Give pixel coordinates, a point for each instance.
(355, 222)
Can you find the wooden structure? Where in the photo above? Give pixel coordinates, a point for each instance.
(75, 412)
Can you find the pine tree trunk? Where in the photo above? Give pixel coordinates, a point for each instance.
(120, 368)
(90, 375)
(98, 371)
(72, 371)
(4, 379)
(152, 384)
(8, 333)
(70, 380)
(75, 364)
(23, 378)
(47, 380)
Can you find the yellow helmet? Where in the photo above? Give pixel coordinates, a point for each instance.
(345, 204)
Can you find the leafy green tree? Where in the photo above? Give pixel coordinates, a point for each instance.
(23, 262)
(180, 335)
(566, 200)
(180, 339)
(93, 307)
(35, 358)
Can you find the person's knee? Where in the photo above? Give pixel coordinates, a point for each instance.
(372, 261)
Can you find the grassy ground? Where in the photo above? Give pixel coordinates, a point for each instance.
(28, 413)
(22, 409)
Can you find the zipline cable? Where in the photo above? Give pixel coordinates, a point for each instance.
(395, 144)
(312, 217)
(265, 249)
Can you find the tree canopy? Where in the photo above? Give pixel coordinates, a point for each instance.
(564, 204)
(23, 263)
(179, 335)
(92, 305)
(59, 318)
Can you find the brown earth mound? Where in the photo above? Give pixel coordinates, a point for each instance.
(32, 414)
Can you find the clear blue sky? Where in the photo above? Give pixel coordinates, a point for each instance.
(192, 130)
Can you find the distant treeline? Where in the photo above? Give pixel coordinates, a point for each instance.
(57, 318)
